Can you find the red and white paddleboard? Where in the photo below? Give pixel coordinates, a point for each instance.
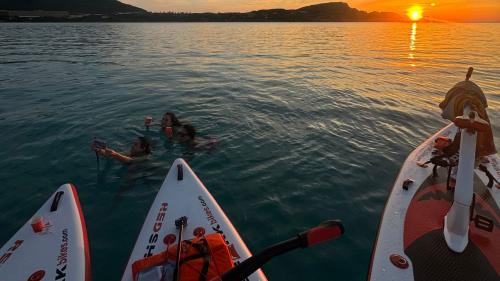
(410, 244)
(182, 194)
(52, 245)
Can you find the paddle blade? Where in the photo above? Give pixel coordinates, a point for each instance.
(326, 231)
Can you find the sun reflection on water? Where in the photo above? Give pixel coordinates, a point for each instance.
(413, 39)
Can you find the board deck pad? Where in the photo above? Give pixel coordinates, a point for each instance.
(424, 240)
(183, 194)
(413, 221)
(59, 252)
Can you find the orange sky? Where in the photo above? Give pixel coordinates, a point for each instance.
(459, 10)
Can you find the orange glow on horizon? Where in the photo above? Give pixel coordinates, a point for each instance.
(415, 13)
(442, 10)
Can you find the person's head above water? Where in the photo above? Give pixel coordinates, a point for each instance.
(170, 120)
(187, 133)
(140, 147)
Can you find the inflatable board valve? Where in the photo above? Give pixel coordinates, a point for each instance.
(470, 98)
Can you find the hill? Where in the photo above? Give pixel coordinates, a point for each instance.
(118, 12)
(327, 12)
(73, 6)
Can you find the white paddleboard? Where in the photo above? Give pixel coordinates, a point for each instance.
(59, 251)
(183, 194)
(413, 219)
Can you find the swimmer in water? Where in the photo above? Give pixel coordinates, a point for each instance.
(169, 122)
(140, 151)
(187, 135)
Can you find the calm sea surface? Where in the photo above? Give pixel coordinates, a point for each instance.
(314, 121)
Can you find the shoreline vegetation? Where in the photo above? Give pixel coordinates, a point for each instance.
(115, 11)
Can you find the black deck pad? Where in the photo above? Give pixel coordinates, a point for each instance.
(424, 240)
(433, 261)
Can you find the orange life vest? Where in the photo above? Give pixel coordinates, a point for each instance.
(203, 258)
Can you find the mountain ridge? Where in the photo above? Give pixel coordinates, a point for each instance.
(117, 11)
(75, 6)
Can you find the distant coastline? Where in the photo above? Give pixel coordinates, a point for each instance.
(114, 11)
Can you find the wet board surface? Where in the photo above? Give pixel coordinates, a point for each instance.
(413, 220)
(59, 252)
(183, 194)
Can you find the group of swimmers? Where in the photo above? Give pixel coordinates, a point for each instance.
(141, 147)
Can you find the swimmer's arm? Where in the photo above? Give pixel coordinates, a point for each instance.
(113, 154)
(138, 159)
(121, 157)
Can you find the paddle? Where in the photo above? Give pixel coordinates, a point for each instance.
(180, 223)
(97, 144)
(326, 231)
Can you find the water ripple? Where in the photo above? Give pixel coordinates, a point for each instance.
(313, 122)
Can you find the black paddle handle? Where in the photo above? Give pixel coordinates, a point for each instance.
(249, 266)
(328, 230)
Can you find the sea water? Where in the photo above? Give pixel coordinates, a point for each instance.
(313, 122)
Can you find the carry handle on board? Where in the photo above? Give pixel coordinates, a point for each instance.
(326, 231)
(55, 202)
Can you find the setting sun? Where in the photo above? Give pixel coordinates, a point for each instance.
(415, 13)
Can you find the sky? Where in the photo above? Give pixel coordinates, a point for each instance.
(458, 10)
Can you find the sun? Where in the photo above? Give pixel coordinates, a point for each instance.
(415, 13)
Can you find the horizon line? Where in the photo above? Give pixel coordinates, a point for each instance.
(478, 20)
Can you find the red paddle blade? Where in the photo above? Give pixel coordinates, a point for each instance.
(326, 231)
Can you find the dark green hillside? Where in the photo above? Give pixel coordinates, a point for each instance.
(80, 6)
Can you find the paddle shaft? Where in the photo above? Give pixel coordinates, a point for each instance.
(244, 269)
(327, 230)
(180, 224)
